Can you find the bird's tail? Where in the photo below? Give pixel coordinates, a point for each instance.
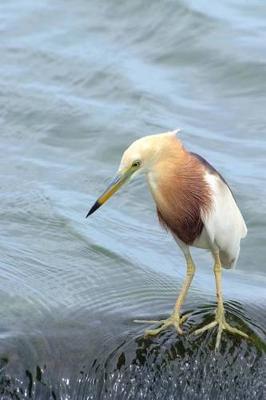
(227, 260)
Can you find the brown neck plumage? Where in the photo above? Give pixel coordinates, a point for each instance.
(182, 194)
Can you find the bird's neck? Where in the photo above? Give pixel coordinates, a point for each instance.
(163, 175)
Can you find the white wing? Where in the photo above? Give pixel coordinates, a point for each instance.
(224, 224)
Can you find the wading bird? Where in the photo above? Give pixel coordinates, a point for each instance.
(195, 204)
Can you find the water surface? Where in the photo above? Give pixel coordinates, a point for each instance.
(79, 81)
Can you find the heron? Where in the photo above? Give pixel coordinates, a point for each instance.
(194, 203)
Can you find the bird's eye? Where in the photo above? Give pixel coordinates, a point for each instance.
(136, 164)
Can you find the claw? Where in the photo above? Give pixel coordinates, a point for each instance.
(174, 320)
(222, 326)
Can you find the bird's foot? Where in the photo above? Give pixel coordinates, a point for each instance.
(174, 320)
(222, 326)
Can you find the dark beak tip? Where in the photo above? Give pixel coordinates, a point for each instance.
(95, 207)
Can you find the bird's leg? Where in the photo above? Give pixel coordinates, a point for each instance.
(219, 314)
(175, 319)
(183, 293)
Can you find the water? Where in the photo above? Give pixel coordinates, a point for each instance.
(79, 81)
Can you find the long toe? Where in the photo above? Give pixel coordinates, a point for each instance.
(184, 318)
(154, 332)
(222, 326)
(234, 331)
(174, 320)
(205, 328)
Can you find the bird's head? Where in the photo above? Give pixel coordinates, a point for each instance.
(138, 158)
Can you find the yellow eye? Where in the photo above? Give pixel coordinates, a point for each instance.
(136, 164)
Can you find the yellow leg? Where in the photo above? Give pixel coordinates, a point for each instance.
(175, 319)
(219, 314)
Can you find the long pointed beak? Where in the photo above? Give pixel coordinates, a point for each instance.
(118, 181)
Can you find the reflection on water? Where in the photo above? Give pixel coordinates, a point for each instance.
(78, 83)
